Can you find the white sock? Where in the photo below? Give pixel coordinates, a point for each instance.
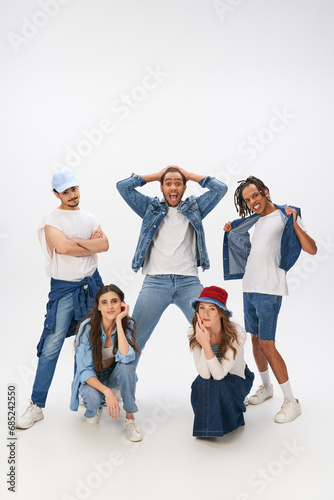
(287, 392)
(265, 378)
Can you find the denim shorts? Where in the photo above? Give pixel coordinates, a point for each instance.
(261, 313)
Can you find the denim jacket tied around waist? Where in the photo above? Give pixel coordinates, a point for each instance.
(237, 245)
(153, 211)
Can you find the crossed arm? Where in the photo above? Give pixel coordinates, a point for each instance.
(76, 247)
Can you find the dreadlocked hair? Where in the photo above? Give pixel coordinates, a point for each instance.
(229, 337)
(239, 201)
(95, 322)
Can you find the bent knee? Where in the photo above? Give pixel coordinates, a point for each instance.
(267, 346)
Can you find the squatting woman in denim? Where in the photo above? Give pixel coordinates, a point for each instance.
(224, 380)
(105, 350)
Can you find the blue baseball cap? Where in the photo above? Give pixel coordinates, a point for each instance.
(63, 180)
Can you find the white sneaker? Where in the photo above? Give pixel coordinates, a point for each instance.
(262, 393)
(133, 431)
(246, 401)
(93, 420)
(288, 412)
(32, 414)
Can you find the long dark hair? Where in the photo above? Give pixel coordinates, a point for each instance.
(239, 201)
(229, 330)
(95, 320)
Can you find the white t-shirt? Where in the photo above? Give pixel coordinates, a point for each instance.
(173, 248)
(262, 274)
(74, 224)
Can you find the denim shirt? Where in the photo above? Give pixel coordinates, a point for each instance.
(153, 211)
(84, 367)
(237, 245)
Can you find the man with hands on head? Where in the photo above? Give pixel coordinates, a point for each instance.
(171, 244)
(71, 239)
(278, 238)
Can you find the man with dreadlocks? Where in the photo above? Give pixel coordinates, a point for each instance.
(277, 241)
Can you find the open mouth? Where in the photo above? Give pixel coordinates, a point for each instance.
(173, 197)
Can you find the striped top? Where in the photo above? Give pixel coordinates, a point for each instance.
(216, 350)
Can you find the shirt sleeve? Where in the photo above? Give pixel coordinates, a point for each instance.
(84, 355)
(130, 355)
(136, 200)
(301, 223)
(49, 220)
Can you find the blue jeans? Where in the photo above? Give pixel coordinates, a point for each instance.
(261, 314)
(51, 350)
(157, 293)
(122, 375)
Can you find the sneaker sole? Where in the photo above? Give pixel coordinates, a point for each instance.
(37, 419)
(260, 402)
(136, 440)
(287, 421)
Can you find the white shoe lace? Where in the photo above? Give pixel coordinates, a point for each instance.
(132, 426)
(30, 410)
(286, 406)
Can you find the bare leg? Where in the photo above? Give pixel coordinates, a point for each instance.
(269, 352)
(260, 359)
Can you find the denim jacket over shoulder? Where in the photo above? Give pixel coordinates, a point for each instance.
(237, 245)
(153, 211)
(84, 366)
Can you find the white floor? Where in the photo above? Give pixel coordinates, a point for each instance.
(63, 458)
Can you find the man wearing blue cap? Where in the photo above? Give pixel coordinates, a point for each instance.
(71, 239)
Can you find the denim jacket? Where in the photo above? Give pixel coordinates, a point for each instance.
(82, 303)
(153, 211)
(84, 367)
(237, 245)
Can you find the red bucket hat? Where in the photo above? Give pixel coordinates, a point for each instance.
(213, 295)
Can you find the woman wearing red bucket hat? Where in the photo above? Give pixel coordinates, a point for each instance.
(224, 380)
